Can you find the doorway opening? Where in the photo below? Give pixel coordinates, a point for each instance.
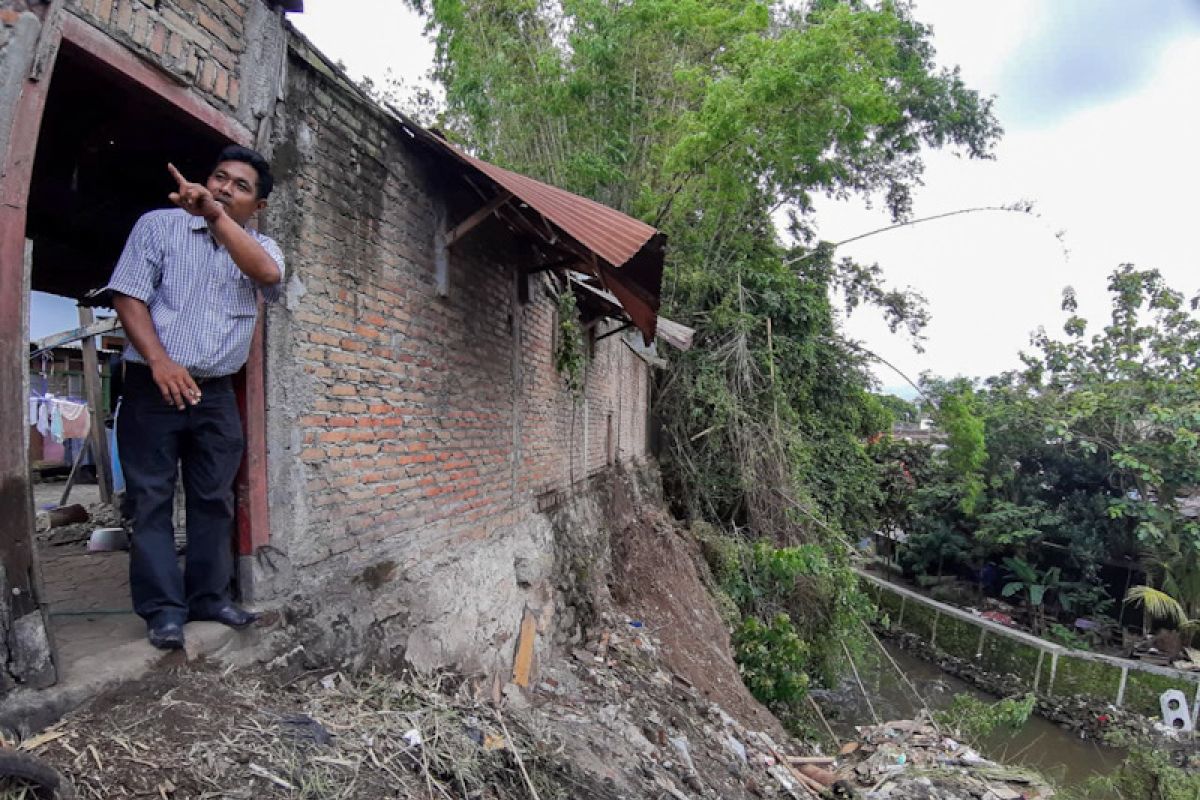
(101, 162)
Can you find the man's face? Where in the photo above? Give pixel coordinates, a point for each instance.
(234, 184)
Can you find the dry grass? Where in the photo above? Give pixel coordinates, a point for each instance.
(330, 736)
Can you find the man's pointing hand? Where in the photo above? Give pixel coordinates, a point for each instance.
(194, 198)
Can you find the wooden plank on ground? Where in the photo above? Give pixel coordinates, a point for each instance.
(523, 660)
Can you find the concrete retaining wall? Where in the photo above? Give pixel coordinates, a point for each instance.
(1045, 668)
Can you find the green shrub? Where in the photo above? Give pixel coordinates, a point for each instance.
(1060, 633)
(722, 552)
(973, 719)
(772, 659)
(816, 589)
(1146, 775)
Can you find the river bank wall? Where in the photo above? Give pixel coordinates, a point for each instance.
(1087, 691)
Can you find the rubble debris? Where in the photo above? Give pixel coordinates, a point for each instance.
(621, 727)
(912, 758)
(617, 710)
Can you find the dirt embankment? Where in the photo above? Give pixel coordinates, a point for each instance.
(646, 701)
(659, 579)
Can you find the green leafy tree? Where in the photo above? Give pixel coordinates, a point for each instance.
(1086, 455)
(710, 119)
(900, 409)
(705, 117)
(902, 467)
(1128, 397)
(966, 451)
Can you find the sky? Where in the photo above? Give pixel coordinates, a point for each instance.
(1100, 101)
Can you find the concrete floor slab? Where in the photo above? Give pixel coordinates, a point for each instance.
(27, 710)
(99, 641)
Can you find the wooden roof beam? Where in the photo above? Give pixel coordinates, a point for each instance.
(467, 225)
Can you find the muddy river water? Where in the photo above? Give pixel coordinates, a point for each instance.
(1058, 754)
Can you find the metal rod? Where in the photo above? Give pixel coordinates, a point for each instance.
(83, 447)
(861, 688)
(624, 327)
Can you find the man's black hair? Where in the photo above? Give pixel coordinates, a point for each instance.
(235, 152)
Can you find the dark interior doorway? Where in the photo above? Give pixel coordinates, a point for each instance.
(101, 162)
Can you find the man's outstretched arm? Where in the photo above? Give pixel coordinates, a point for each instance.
(245, 251)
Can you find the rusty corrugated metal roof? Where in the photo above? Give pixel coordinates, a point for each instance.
(608, 233)
(630, 252)
(676, 334)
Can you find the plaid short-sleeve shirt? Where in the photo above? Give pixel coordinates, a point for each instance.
(203, 307)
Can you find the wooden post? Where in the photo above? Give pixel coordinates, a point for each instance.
(23, 660)
(26, 282)
(441, 250)
(98, 435)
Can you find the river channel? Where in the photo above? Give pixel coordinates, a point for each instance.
(1059, 755)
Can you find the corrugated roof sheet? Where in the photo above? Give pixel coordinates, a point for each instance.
(630, 251)
(676, 334)
(608, 233)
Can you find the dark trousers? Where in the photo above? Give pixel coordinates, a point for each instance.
(154, 439)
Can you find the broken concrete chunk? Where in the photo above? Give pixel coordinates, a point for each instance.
(680, 745)
(736, 748)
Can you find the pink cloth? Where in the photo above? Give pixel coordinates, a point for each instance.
(76, 420)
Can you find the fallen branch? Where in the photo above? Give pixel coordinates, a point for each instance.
(517, 755)
(267, 775)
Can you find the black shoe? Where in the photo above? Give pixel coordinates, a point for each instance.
(167, 636)
(228, 614)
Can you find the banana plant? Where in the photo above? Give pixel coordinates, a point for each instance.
(1159, 607)
(1033, 588)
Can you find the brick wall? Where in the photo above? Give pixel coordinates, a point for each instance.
(204, 44)
(411, 434)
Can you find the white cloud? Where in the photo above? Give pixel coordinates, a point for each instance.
(369, 36)
(1120, 178)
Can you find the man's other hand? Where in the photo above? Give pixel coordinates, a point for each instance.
(194, 198)
(177, 387)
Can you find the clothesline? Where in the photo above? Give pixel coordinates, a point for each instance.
(59, 418)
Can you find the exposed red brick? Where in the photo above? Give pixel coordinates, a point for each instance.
(125, 16)
(158, 39)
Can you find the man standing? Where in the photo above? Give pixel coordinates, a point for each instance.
(186, 290)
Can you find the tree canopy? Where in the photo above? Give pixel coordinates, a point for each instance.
(719, 122)
(715, 120)
(1086, 456)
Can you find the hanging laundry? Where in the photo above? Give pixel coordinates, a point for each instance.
(56, 422)
(76, 419)
(43, 418)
